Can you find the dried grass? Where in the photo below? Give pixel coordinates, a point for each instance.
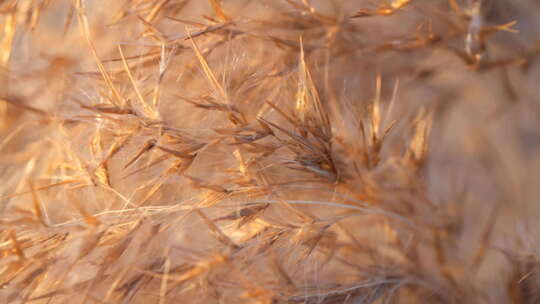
(288, 151)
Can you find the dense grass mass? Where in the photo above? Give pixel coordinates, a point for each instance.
(269, 151)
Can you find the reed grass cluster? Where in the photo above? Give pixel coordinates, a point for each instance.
(272, 151)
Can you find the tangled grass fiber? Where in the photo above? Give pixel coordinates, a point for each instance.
(272, 151)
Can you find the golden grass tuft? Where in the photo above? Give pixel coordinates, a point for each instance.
(287, 151)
